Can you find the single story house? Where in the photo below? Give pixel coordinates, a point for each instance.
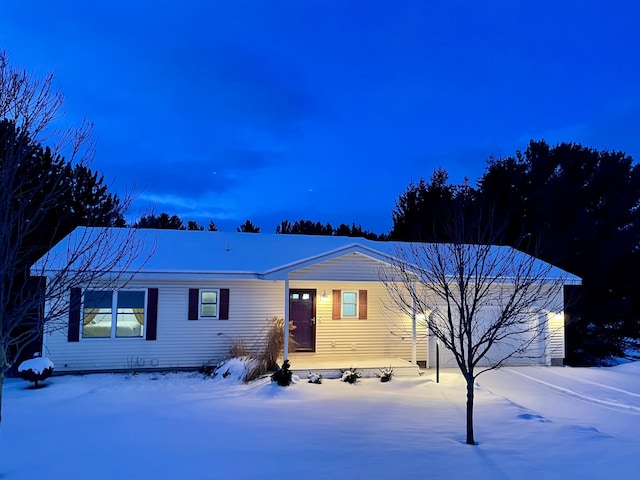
(199, 292)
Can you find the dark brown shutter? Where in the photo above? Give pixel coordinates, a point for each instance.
(224, 304)
(75, 302)
(362, 304)
(152, 314)
(336, 312)
(194, 300)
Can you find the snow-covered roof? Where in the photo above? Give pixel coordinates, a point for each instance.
(257, 255)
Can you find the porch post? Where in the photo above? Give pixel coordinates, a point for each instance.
(285, 354)
(414, 332)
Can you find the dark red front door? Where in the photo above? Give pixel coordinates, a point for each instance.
(302, 313)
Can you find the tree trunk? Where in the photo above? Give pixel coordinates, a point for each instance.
(470, 439)
(1, 388)
(3, 369)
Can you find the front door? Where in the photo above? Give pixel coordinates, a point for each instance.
(302, 314)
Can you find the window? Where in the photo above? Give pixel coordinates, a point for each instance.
(97, 314)
(349, 304)
(108, 314)
(130, 319)
(209, 303)
(301, 296)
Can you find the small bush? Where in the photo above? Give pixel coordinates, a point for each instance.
(385, 374)
(35, 370)
(282, 376)
(350, 375)
(207, 370)
(315, 378)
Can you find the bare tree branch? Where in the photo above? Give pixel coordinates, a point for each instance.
(488, 305)
(38, 190)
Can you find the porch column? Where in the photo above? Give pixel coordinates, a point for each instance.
(285, 354)
(414, 331)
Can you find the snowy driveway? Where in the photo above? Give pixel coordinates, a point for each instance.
(569, 392)
(617, 391)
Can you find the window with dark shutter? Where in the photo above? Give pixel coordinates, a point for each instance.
(205, 304)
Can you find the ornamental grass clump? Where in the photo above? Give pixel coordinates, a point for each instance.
(267, 360)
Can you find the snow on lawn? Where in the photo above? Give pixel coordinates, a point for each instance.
(531, 423)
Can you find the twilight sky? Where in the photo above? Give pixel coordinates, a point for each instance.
(326, 110)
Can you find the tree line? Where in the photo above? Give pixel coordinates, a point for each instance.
(298, 227)
(572, 206)
(568, 204)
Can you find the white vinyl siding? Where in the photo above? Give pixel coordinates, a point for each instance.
(350, 337)
(252, 304)
(180, 343)
(352, 267)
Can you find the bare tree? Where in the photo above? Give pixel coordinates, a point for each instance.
(30, 198)
(486, 304)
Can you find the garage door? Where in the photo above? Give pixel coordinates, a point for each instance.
(497, 352)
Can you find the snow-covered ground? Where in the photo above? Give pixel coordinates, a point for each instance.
(531, 423)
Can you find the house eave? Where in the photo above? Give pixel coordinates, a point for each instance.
(177, 275)
(282, 272)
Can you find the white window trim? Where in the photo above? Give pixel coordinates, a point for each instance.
(208, 317)
(356, 293)
(114, 316)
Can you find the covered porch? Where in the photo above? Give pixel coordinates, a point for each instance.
(303, 363)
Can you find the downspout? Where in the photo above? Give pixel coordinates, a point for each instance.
(414, 332)
(43, 352)
(285, 354)
(45, 313)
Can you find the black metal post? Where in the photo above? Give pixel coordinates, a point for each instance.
(437, 362)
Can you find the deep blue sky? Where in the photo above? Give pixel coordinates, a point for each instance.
(326, 110)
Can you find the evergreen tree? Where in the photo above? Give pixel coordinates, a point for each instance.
(163, 221)
(304, 227)
(422, 208)
(248, 227)
(193, 225)
(572, 206)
